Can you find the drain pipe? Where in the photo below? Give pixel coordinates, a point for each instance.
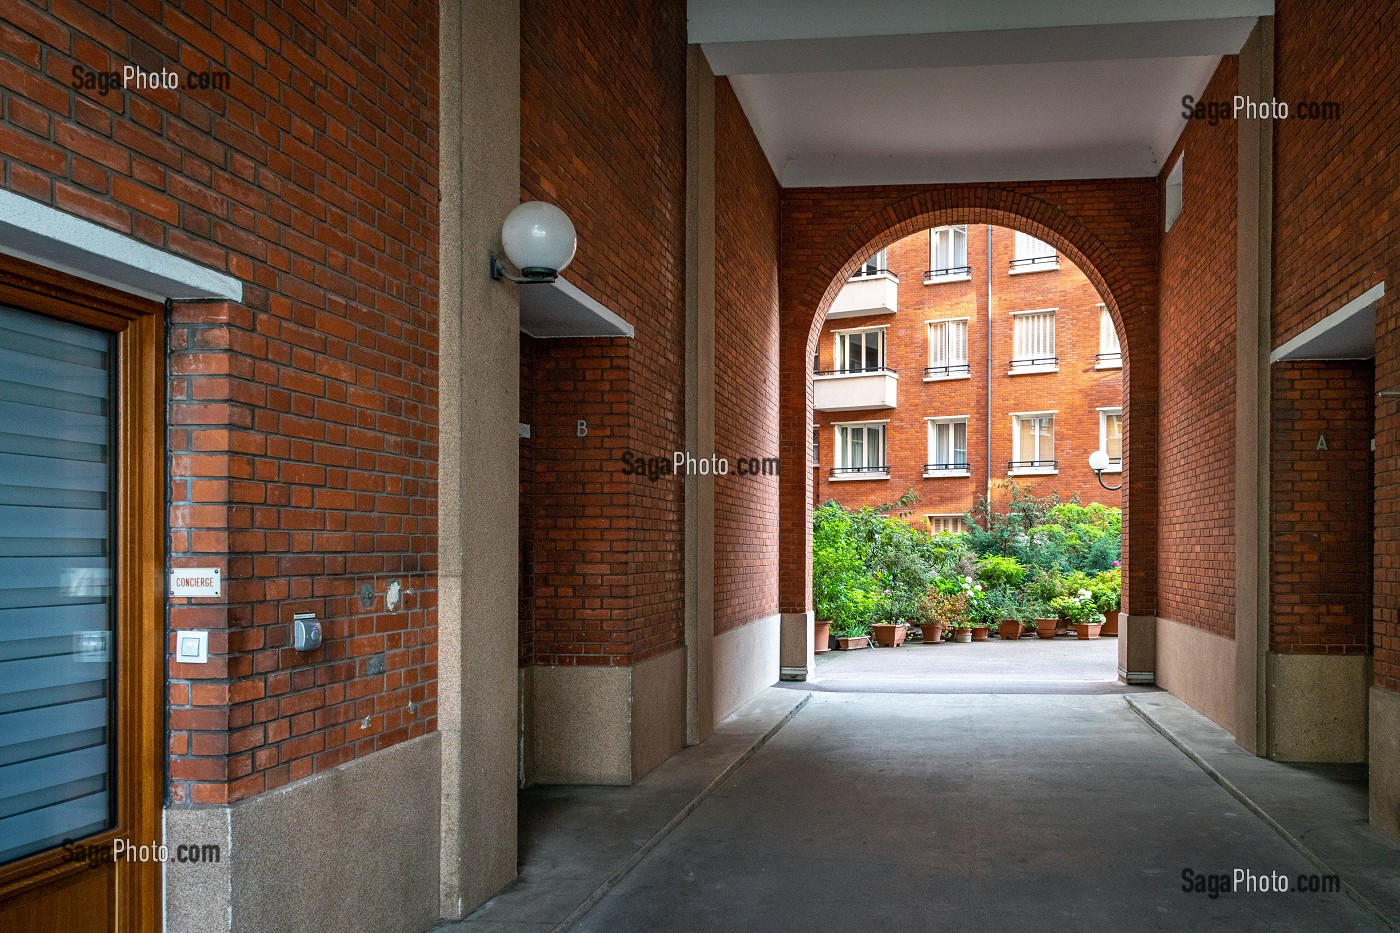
(989, 364)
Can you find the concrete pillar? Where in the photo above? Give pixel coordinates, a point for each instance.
(699, 395)
(1254, 340)
(479, 509)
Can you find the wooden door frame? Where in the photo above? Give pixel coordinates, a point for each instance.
(139, 324)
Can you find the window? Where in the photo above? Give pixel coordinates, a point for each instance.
(1173, 191)
(1034, 342)
(1111, 437)
(1033, 443)
(875, 265)
(947, 350)
(1110, 355)
(860, 452)
(938, 524)
(859, 351)
(1032, 255)
(947, 255)
(947, 447)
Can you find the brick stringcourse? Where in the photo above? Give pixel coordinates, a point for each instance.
(303, 430)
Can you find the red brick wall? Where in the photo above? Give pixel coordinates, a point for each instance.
(1108, 228)
(303, 432)
(1196, 543)
(1077, 391)
(746, 367)
(603, 136)
(1320, 581)
(1335, 205)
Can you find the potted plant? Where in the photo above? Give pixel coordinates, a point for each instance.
(1003, 608)
(851, 634)
(1080, 611)
(941, 606)
(888, 626)
(1041, 592)
(978, 624)
(960, 629)
(1107, 588)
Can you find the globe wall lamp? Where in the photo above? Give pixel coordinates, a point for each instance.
(539, 240)
(1098, 462)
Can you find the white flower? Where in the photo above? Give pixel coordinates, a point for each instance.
(1085, 594)
(978, 587)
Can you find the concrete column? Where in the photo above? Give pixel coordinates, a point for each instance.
(478, 574)
(796, 655)
(699, 395)
(1253, 342)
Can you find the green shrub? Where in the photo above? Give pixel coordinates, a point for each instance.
(997, 572)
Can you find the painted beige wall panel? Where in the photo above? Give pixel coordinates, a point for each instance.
(1198, 668)
(746, 661)
(581, 720)
(312, 855)
(1385, 760)
(658, 710)
(1318, 707)
(798, 659)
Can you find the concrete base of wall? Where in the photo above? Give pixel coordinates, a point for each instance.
(1317, 707)
(312, 855)
(1198, 668)
(658, 710)
(1385, 760)
(745, 661)
(797, 658)
(1137, 649)
(603, 725)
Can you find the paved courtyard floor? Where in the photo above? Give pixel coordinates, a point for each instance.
(985, 787)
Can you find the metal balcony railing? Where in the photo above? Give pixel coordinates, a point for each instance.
(1028, 362)
(857, 371)
(952, 369)
(1033, 464)
(852, 471)
(1032, 262)
(946, 467)
(1100, 358)
(952, 272)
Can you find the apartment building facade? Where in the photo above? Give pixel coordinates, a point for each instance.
(916, 386)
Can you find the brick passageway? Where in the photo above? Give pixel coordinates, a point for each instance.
(971, 811)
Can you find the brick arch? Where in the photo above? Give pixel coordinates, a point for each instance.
(1108, 228)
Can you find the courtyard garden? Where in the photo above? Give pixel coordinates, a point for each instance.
(1037, 567)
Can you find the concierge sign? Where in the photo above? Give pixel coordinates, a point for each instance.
(196, 581)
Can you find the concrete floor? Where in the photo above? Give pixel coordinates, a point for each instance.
(994, 786)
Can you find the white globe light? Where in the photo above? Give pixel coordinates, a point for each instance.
(539, 239)
(1098, 461)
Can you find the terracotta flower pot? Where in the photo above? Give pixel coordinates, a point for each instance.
(821, 638)
(1110, 625)
(933, 634)
(980, 632)
(853, 644)
(888, 634)
(963, 635)
(1045, 628)
(1010, 630)
(1087, 630)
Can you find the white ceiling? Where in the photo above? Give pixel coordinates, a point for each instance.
(901, 91)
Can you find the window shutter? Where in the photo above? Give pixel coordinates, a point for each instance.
(957, 342)
(56, 564)
(938, 344)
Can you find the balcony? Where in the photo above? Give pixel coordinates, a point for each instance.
(1035, 264)
(1033, 467)
(956, 468)
(874, 471)
(877, 293)
(854, 390)
(1108, 360)
(951, 274)
(1025, 366)
(951, 371)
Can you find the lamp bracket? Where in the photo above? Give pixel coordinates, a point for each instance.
(528, 276)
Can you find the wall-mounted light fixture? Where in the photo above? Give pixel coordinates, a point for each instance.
(1098, 462)
(539, 240)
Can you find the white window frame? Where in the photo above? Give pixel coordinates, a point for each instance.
(1030, 257)
(956, 520)
(933, 424)
(1173, 192)
(953, 369)
(1110, 354)
(952, 233)
(865, 472)
(1017, 455)
(877, 264)
(839, 363)
(1104, 415)
(1023, 369)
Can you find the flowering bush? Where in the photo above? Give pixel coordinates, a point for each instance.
(1077, 608)
(940, 608)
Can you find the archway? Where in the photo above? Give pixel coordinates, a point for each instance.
(1107, 228)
